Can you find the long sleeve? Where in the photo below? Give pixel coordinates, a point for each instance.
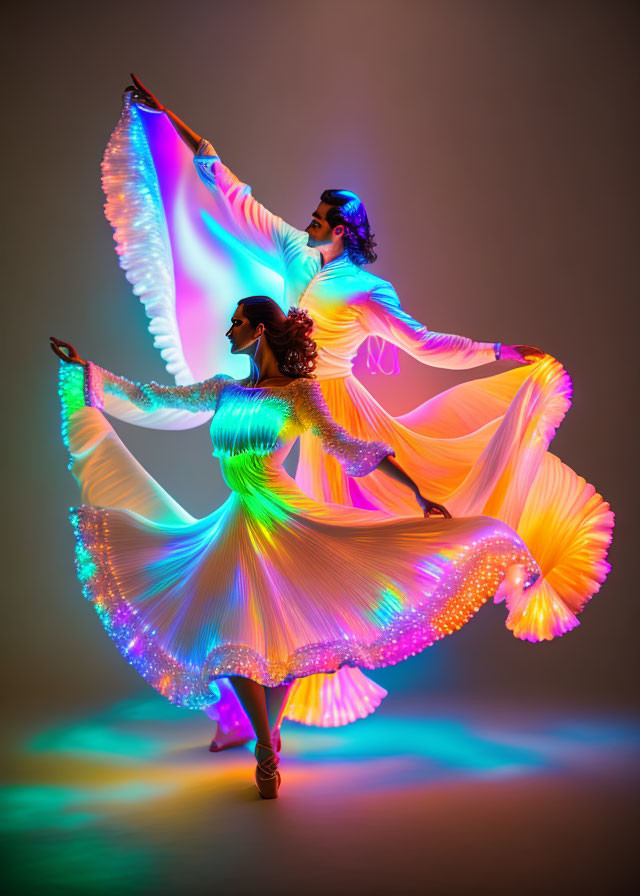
(383, 316)
(149, 397)
(357, 457)
(271, 240)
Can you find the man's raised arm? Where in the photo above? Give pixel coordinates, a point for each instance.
(266, 236)
(275, 243)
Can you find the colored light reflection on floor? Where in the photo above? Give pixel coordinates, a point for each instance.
(103, 801)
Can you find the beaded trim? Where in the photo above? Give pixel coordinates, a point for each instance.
(454, 600)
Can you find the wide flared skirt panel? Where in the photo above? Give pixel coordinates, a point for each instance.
(481, 448)
(477, 444)
(230, 596)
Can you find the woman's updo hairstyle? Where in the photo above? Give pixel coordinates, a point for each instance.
(288, 335)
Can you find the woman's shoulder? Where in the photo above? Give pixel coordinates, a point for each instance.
(305, 394)
(306, 384)
(223, 379)
(276, 385)
(292, 386)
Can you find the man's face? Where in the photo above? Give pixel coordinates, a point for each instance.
(319, 229)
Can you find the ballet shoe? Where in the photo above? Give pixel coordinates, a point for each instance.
(267, 774)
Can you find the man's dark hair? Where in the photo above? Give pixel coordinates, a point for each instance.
(348, 210)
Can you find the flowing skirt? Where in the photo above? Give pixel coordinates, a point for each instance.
(273, 585)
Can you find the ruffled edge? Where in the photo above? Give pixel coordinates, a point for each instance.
(468, 587)
(335, 699)
(549, 611)
(574, 565)
(135, 211)
(558, 381)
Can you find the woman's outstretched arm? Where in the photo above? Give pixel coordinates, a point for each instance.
(147, 397)
(392, 468)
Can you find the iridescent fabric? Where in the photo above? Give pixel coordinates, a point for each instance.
(191, 246)
(272, 585)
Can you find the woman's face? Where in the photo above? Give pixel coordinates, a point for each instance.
(242, 336)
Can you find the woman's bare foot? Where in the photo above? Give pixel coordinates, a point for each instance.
(238, 737)
(234, 738)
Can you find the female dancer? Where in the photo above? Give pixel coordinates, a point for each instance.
(479, 448)
(272, 586)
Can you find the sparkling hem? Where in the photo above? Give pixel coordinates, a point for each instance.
(456, 599)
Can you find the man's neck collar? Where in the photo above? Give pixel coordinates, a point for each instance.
(333, 258)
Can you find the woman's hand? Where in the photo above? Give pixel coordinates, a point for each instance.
(70, 356)
(141, 94)
(392, 468)
(524, 354)
(430, 508)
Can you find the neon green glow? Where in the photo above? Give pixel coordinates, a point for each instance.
(71, 392)
(245, 419)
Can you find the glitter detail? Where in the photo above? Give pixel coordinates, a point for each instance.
(152, 396)
(178, 683)
(357, 457)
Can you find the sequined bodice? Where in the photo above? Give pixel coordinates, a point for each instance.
(253, 421)
(252, 429)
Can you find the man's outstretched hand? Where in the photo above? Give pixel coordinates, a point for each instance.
(141, 94)
(524, 354)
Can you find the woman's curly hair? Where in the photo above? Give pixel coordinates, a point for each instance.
(288, 335)
(347, 209)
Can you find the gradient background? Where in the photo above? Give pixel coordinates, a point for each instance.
(496, 146)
